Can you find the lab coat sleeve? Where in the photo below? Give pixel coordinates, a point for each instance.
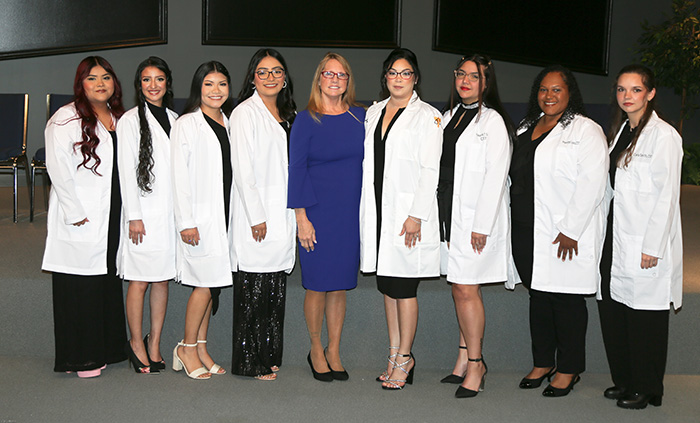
(665, 170)
(182, 137)
(301, 190)
(128, 134)
(242, 134)
(429, 164)
(498, 151)
(60, 138)
(592, 171)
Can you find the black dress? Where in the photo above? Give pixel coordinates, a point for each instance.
(89, 322)
(391, 286)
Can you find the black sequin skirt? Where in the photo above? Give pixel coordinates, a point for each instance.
(258, 322)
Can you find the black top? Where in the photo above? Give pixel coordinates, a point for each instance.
(626, 135)
(522, 176)
(222, 135)
(161, 116)
(287, 129)
(379, 156)
(462, 118)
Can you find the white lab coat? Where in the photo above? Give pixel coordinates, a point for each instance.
(647, 219)
(198, 200)
(480, 200)
(76, 193)
(260, 171)
(152, 260)
(570, 170)
(411, 171)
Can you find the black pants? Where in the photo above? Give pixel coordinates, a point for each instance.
(558, 322)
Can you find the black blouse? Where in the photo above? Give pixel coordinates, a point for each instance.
(379, 157)
(161, 116)
(625, 139)
(222, 135)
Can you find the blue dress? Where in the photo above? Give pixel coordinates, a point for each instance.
(325, 178)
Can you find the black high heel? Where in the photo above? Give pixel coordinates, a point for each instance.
(552, 392)
(526, 383)
(138, 366)
(337, 375)
(453, 378)
(323, 377)
(463, 392)
(156, 366)
(394, 383)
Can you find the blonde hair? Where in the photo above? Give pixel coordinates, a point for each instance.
(315, 106)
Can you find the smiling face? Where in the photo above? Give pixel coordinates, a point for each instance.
(269, 86)
(632, 95)
(468, 86)
(154, 85)
(334, 87)
(553, 96)
(98, 85)
(401, 88)
(214, 92)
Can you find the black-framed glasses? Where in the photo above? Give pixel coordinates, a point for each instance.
(264, 73)
(331, 74)
(405, 74)
(460, 74)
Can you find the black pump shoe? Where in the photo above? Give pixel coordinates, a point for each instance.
(463, 392)
(552, 392)
(323, 377)
(139, 367)
(453, 378)
(636, 401)
(156, 366)
(337, 375)
(526, 383)
(614, 392)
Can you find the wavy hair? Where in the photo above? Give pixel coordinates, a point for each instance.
(285, 99)
(397, 54)
(488, 90)
(88, 118)
(619, 117)
(194, 101)
(144, 170)
(575, 106)
(315, 106)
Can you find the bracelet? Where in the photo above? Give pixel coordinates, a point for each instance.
(418, 221)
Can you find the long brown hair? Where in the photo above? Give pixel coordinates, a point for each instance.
(619, 117)
(315, 106)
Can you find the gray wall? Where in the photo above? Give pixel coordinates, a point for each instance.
(184, 52)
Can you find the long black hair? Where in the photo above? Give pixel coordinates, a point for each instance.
(619, 117)
(285, 99)
(144, 170)
(574, 108)
(488, 90)
(397, 54)
(195, 98)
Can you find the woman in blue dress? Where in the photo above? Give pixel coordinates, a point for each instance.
(325, 178)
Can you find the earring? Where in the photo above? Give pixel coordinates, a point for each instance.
(285, 84)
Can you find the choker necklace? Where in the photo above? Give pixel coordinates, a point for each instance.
(474, 105)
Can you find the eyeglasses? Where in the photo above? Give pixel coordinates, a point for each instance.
(263, 73)
(405, 74)
(460, 74)
(331, 74)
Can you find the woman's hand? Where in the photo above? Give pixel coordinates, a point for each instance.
(259, 231)
(81, 223)
(478, 242)
(411, 229)
(136, 231)
(649, 261)
(190, 236)
(566, 246)
(305, 230)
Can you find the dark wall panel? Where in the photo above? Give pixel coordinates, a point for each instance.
(309, 23)
(44, 27)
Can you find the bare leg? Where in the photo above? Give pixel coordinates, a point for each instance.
(314, 306)
(392, 324)
(197, 306)
(158, 303)
(470, 315)
(335, 317)
(460, 368)
(407, 319)
(202, 336)
(134, 316)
